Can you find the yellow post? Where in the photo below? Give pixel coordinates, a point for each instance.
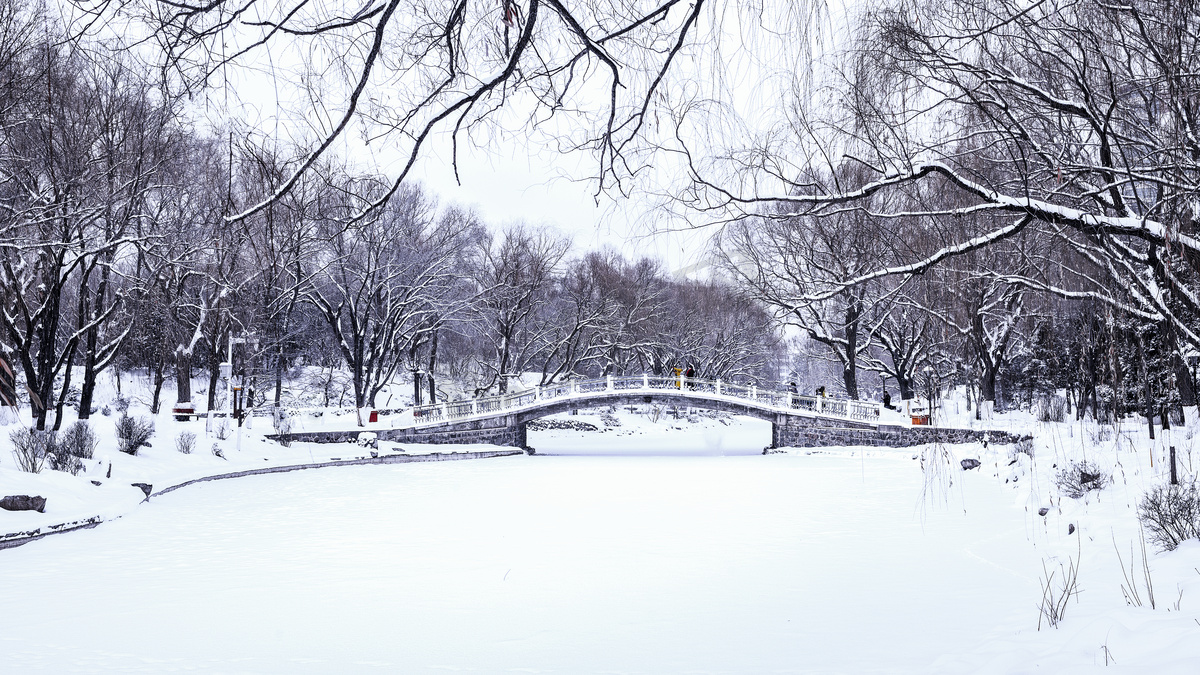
(679, 378)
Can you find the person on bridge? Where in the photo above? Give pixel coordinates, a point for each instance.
(689, 376)
(887, 399)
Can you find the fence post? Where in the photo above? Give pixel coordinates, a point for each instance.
(474, 407)
(754, 391)
(645, 381)
(537, 393)
(790, 394)
(445, 415)
(608, 383)
(718, 386)
(820, 404)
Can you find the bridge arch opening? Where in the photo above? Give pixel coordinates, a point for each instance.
(647, 429)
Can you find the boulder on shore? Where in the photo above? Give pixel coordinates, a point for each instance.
(23, 503)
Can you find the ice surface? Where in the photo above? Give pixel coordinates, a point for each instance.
(532, 564)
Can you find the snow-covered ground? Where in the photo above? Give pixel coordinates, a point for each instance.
(645, 546)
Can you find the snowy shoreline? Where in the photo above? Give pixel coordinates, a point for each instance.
(14, 539)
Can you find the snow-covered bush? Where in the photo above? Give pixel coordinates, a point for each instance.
(121, 404)
(222, 430)
(1100, 433)
(31, 448)
(1021, 447)
(185, 442)
(61, 460)
(1171, 514)
(282, 421)
(79, 440)
(1052, 409)
(1078, 478)
(133, 433)
(71, 398)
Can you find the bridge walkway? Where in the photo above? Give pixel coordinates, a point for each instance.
(750, 399)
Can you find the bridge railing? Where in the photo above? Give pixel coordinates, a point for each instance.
(819, 405)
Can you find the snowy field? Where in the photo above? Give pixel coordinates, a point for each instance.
(630, 543)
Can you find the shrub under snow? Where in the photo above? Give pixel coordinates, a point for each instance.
(78, 440)
(185, 442)
(31, 448)
(1171, 514)
(1078, 478)
(133, 433)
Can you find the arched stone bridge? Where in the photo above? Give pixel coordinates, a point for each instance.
(797, 420)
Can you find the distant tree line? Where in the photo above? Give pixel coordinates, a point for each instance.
(118, 252)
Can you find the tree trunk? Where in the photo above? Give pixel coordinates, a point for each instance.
(433, 345)
(214, 377)
(850, 380)
(159, 378)
(1183, 381)
(850, 368)
(183, 376)
(503, 367)
(92, 339)
(88, 388)
(279, 377)
(66, 387)
(987, 384)
(1149, 404)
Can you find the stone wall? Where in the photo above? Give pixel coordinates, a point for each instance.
(497, 431)
(799, 432)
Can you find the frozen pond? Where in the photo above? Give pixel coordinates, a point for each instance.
(647, 564)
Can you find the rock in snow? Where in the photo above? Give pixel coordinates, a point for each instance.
(968, 464)
(23, 503)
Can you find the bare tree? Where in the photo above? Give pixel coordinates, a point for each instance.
(384, 281)
(1075, 122)
(514, 277)
(796, 266)
(81, 149)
